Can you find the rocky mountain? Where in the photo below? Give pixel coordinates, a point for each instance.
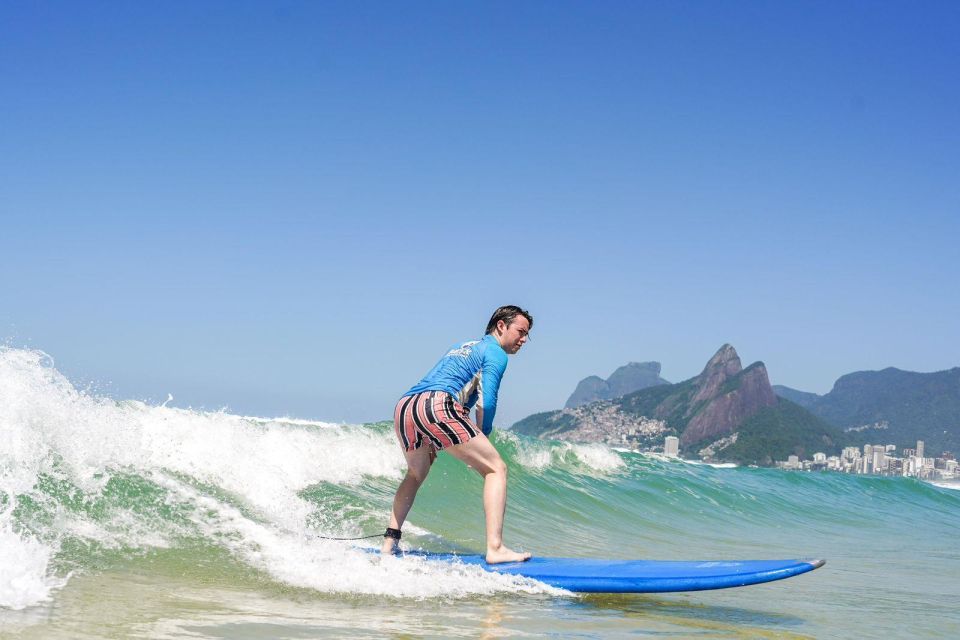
(891, 406)
(708, 413)
(627, 379)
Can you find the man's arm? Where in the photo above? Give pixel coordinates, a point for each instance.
(494, 366)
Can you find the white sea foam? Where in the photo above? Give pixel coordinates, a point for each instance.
(943, 484)
(24, 561)
(572, 457)
(258, 467)
(665, 458)
(334, 566)
(24, 570)
(120, 529)
(293, 421)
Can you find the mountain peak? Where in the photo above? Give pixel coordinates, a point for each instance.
(626, 379)
(724, 364)
(727, 359)
(726, 396)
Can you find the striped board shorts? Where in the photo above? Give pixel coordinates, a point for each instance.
(434, 418)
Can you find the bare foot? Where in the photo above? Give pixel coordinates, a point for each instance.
(389, 546)
(503, 554)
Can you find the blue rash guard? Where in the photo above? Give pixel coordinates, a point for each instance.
(470, 371)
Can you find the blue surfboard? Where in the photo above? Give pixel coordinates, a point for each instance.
(585, 575)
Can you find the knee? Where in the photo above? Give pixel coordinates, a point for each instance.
(500, 467)
(418, 473)
(416, 476)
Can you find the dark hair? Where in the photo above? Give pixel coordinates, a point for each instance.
(508, 313)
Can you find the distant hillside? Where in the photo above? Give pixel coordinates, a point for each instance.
(774, 433)
(803, 398)
(708, 412)
(905, 407)
(627, 379)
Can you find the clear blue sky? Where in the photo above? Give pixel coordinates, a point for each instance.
(294, 208)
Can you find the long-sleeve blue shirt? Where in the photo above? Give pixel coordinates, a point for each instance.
(470, 371)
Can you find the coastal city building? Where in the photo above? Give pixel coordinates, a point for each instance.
(881, 460)
(671, 446)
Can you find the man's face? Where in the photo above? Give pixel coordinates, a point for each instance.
(514, 336)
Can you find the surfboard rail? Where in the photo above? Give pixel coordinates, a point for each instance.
(585, 575)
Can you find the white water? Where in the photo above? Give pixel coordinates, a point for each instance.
(23, 569)
(49, 428)
(590, 459)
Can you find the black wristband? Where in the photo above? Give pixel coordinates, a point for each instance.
(392, 533)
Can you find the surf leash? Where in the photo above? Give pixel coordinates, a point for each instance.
(391, 533)
(376, 535)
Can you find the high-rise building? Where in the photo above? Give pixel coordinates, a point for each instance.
(879, 460)
(909, 466)
(671, 446)
(919, 448)
(851, 453)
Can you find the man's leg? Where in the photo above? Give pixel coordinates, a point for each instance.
(480, 454)
(418, 466)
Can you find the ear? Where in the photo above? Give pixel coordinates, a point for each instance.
(501, 327)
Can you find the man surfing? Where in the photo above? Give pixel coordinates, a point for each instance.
(434, 415)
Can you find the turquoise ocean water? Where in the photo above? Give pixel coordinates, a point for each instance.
(124, 520)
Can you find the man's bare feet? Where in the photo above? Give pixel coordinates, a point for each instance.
(503, 554)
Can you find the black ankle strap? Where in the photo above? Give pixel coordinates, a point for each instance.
(392, 533)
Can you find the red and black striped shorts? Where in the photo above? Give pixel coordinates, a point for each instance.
(434, 418)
